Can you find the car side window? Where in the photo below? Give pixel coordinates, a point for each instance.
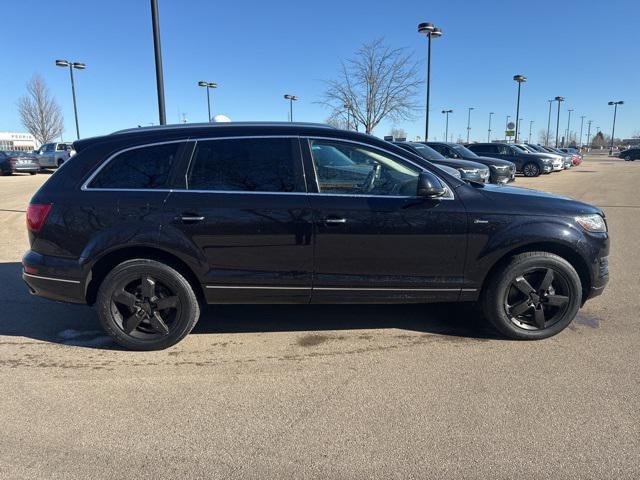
(354, 169)
(505, 150)
(139, 168)
(246, 165)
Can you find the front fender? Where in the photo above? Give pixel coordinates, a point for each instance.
(490, 242)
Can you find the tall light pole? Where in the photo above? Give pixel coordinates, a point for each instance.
(582, 117)
(208, 85)
(79, 66)
(291, 98)
(430, 31)
(157, 49)
(559, 100)
(589, 134)
(489, 131)
(469, 122)
(568, 128)
(613, 129)
(546, 143)
(446, 128)
(520, 79)
(530, 126)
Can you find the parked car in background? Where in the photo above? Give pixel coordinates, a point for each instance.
(501, 171)
(53, 155)
(18, 162)
(630, 154)
(156, 222)
(560, 160)
(529, 164)
(471, 171)
(567, 157)
(450, 170)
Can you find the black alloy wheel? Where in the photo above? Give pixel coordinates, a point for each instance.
(540, 306)
(533, 295)
(147, 305)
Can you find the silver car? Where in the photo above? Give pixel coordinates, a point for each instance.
(53, 155)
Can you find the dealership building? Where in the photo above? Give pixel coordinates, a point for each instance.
(24, 142)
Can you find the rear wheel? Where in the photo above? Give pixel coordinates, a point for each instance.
(531, 170)
(627, 158)
(32, 173)
(146, 305)
(535, 295)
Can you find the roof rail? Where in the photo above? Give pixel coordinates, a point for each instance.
(220, 125)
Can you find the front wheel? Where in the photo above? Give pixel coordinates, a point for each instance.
(626, 158)
(146, 305)
(531, 170)
(534, 296)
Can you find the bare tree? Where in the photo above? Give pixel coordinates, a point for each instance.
(39, 112)
(396, 132)
(379, 82)
(337, 120)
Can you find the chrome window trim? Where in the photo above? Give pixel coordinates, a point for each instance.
(85, 186)
(450, 196)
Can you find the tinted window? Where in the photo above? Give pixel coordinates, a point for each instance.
(483, 148)
(140, 168)
(506, 150)
(427, 152)
(245, 165)
(368, 172)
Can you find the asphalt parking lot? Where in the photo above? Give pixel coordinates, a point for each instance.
(418, 391)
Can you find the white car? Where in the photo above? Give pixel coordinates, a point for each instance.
(557, 161)
(53, 155)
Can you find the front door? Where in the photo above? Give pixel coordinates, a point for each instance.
(375, 241)
(245, 213)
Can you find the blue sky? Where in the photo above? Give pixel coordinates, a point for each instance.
(257, 51)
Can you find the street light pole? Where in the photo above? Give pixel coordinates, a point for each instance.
(469, 122)
(613, 129)
(546, 143)
(582, 117)
(291, 98)
(589, 134)
(506, 127)
(520, 79)
(430, 31)
(559, 100)
(568, 128)
(155, 23)
(446, 128)
(489, 131)
(530, 126)
(79, 66)
(208, 85)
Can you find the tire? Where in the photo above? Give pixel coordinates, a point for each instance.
(32, 173)
(626, 158)
(129, 317)
(531, 170)
(60, 162)
(504, 298)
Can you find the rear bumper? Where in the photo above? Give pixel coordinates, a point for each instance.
(54, 277)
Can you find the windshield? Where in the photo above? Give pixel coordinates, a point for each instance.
(330, 156)
(427, 152)
(462, 150)
(521, 148)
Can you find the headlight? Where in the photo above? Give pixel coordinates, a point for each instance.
(547, 160)
(592, 223)
(469, 171)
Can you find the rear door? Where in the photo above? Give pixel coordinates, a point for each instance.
(375, 241)
(241, 213)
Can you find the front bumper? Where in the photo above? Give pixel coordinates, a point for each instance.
(55, 278)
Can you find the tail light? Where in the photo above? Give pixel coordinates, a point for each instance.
(37, 215)
(13, 159)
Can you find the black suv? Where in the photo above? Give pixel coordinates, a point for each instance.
(502, 171)
(529, 164)
(151, 223)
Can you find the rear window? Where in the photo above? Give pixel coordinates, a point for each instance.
(245, 165)
(140, 168)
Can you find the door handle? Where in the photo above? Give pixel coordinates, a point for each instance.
(190, 218)
(335, 221)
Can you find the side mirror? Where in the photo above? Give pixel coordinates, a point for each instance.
(429, 185)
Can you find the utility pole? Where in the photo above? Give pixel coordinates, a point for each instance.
(582, 117)
(589, 134)
(155, 23)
